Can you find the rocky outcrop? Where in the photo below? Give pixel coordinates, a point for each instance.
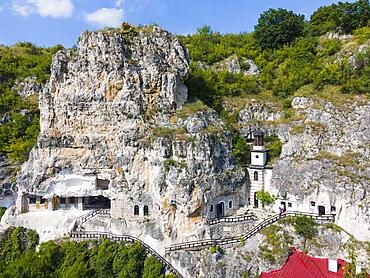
(28, 87)
(325, 158)
(233, 64)
(109, 112)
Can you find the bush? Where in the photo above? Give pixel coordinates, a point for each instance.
(212, 86)
(305, 227)
(241, 150)
(216, 248)
(265, 197)
(274, 144)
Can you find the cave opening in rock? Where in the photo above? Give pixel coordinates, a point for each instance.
(321, 210)
(220, 210)
(96, 202)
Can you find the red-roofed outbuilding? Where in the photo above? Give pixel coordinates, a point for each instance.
(301, 265)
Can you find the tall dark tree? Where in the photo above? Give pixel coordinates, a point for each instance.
(276, 28)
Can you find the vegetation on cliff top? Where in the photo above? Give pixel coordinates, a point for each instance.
(285, 67)
(19, 258)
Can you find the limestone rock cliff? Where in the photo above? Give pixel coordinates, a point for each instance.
(325, 156)
(109, 112)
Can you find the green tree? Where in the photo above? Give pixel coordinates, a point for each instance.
(152, 268)
(265, 197)
(274, 144)
(276, 28)
(241, 150)
(102, 259)
(342, 17)
(305, 227)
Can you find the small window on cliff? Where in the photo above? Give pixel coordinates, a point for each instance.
(211, 208)
(289, 205)
(32, 200)
(136, 210)
(146, 210)
(313, 204)
(255, 176)
(230, 204)
(102, 184)
(333, 209)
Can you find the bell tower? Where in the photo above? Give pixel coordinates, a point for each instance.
(259, 172)
(259, 152)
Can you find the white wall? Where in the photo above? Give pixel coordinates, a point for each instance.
(258, 158)
(267, 180)
(72, 185)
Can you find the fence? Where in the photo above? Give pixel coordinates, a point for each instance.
(199, 244)
(233, 219)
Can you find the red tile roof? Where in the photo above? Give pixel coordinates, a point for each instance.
(302, 265)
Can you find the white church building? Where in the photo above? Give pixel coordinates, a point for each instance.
(260, 174)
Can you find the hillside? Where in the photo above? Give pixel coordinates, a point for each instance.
(160, 132)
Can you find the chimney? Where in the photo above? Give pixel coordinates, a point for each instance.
(333, 265)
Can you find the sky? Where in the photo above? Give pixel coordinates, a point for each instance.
(51, 22)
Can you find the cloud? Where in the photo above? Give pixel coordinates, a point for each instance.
(119, 3)
(105, 17)
(22, 7)
(1, 9)
(52, 8)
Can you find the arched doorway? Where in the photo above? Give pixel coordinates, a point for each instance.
(136, 210)
(220, 210)
(321, 210)
(255, 200)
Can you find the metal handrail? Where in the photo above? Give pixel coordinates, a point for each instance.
(230, 219)
(86, 217)
(249, 234)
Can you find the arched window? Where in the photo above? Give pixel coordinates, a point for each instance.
(211, 208)
(146, 210)
(136, 210)
(255, 176)
(230, 204)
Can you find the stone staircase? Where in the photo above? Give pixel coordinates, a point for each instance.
(200, 244)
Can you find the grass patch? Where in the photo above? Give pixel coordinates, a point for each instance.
(192, 108)
(168, 163)
(347, 159)
(165, 132)
(334, 227)
(212, 129)
(297, 129)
